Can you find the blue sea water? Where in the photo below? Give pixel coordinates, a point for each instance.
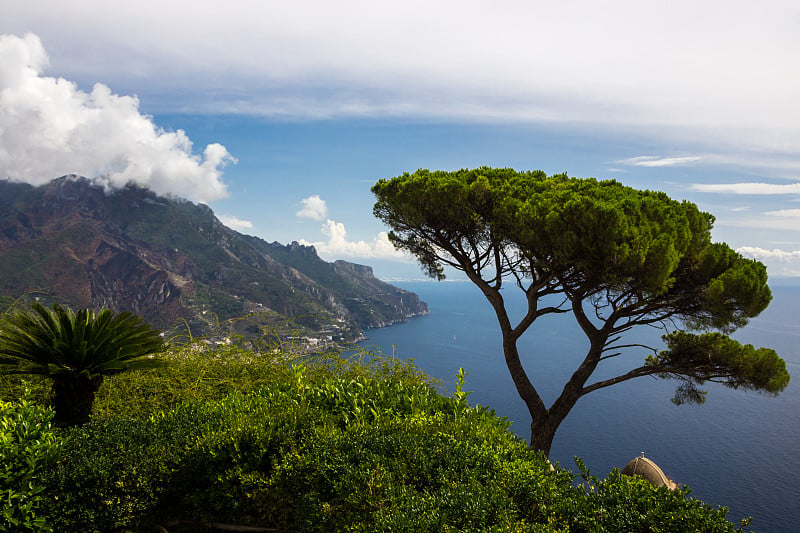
(738, 450)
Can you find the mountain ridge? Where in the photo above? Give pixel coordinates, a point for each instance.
(173, 262)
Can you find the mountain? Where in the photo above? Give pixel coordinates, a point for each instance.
(174, 263)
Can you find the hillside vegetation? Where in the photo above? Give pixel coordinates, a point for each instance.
(324, 443)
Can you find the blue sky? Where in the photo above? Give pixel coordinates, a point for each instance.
(282, 115)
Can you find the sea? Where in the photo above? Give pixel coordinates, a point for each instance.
(739, 450)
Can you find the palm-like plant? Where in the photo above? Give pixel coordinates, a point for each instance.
(76, 350)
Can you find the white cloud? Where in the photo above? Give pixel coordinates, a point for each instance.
(654, 161)
(235, 223)
(49, 127)
(748, 188)
(337, 246)
(779, 263)
(314, 208)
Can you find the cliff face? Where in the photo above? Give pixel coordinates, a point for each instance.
(172, 261)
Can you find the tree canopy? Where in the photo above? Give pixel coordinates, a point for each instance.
(619, 257)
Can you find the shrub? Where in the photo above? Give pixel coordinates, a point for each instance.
(412, 475)
(197, 373)
(337, 445)
(27, 447)
(36, 389)
(118, 470)
(288, 454)
(631, 504)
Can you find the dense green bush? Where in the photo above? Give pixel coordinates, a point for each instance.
(197, 372)
(27, 447)
(232, 459)
(340, 446)
(428, 474)
(320, 443)
(35, 388)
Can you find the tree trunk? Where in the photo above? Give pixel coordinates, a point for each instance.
(542, 434)
(73, 398)
(544, 421)
(543, 428)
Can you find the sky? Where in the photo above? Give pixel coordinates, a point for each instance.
(281, 115)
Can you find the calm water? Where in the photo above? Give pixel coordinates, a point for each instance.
(738, 450)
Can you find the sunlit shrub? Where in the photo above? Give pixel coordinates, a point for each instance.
(28, 447)
(332, 444)
(197, 372)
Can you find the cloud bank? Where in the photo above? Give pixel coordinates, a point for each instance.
(49, 128)
(337, 246)
(717, 71)
(779, 262)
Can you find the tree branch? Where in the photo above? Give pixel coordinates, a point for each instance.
(623, 346)
(646, 370)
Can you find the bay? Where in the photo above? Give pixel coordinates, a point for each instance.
(738, 450)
